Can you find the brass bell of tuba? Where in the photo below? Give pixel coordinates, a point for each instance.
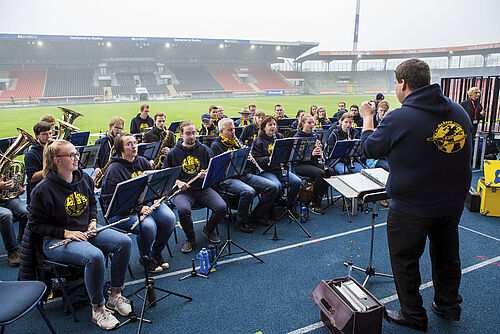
(14, 170)
(66, 124)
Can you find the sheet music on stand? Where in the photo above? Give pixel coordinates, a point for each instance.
(148, 150)
(88, 155)
(160, 183)
(292, 149)
(219, 166)
(358, 184)
(126, 196)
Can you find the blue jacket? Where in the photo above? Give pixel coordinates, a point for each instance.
(192, 160)
(33, 160)
(58, 205)
(137, 124)
(428, 145)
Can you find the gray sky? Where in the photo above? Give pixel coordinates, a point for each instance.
(384, 24)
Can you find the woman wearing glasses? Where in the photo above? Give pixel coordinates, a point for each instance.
(63, 206)
(156, 228)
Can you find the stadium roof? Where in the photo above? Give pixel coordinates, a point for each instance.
(56, 47)
(407, 53)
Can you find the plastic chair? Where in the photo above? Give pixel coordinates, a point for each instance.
(18, 298)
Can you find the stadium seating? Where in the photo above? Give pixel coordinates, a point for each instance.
(195, 79)
(225, 76)
(29, 83)
(291, 74)
(70, 82)
(267, 79)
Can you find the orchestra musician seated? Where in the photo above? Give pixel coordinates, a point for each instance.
(208, 128)
(159, 221)
(194, 157)
(320, 119)
(247, 185)
(250, 132)
(313, 169)
(298, 116)
(63, 206)
(279, 112)
(262, 149)
(245, 118)
(344, 131)
(106, 144)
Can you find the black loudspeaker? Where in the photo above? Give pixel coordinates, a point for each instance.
(473, 200)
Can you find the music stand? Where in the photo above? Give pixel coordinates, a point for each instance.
(222, 167)
(289, 150)
(88, 155)
(148, 150)
(128, 196)
(174, 126)
(79, 138)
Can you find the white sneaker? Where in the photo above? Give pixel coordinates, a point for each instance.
(104, 319)
(119, 304)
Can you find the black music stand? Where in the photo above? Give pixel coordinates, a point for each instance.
(79, 138)
(128, 196)
(222, 167)
(148, 150)
(88, 155)
(174, 126)
(285, 151)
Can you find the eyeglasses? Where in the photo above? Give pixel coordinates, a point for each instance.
(279, 109)
(72, 156)
(131, 144)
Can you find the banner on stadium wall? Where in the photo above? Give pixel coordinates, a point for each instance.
(275, 92)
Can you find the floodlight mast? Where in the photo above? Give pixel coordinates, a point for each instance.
(356, 27)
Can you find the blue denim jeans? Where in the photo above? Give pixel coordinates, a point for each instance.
(156, 229)
(11, 210)
(246, 187)
(90, 254)
(294, 182)
(340, 168)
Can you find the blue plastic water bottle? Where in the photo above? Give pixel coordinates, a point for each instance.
(203, 257)
(303, 214)
(212, 254)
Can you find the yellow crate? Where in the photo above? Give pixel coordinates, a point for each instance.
(490, 199)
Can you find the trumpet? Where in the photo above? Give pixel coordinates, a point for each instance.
(252, 159)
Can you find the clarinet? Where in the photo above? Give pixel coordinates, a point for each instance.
(282, 165)
(351, 165)
(321, 159)
(252, 159)
(87, 233)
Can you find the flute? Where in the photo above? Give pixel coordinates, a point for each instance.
(252, 159)
(188, 183)
(87, 233)
(155, 205)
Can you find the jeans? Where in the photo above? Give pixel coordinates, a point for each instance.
(294, 184)
(156, 229)
(204, 198)
(246, 187)
(340, 168)
(10, 210)
(407, 236)
(90, 254)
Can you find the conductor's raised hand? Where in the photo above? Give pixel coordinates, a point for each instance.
(367, 109)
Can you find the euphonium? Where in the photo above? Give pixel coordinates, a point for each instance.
(66, 125)
(14, 170)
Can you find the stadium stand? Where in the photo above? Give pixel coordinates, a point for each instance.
(291, 74)
(267, 79)
(30, 83)
(70, 82)
(226, 77)
(193, 79)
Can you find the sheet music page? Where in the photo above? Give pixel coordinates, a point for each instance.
(378, 174)
(358, 182)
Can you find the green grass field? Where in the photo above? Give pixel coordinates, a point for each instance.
(97, 116)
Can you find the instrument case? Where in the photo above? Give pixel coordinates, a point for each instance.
(339, 317)
(473, 200)
(490, 199)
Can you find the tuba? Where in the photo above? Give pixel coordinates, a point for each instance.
(66, 124)
(14, 170)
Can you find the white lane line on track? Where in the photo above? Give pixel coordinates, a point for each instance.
(391, 298)
(480, 233)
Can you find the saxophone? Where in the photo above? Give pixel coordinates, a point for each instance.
(14, 170)
(98, 179)
(158, 162)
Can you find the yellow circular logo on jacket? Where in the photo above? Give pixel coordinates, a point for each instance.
(449, 137)
(75, 204)
(144, 127)
(270, 148)
(191, 165)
